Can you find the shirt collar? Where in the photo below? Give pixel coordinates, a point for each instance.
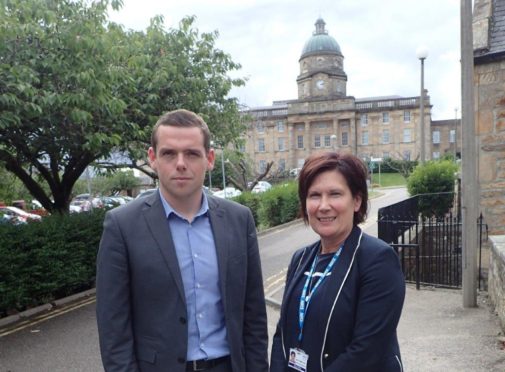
(204, 207)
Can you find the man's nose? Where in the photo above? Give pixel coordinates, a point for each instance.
(181, 163)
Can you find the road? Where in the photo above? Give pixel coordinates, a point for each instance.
(69, 341)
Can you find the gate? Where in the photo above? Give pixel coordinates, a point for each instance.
(425, 231)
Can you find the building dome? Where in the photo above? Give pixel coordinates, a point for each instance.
(320, 42)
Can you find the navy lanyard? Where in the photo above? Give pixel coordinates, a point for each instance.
(304, 298)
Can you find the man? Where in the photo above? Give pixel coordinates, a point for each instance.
(179, 285)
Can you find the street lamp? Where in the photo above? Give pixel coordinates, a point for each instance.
(422, 53)
(334, 141)
(455, 133)
(222, 167)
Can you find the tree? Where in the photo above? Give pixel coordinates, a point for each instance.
(434, 182)
(75, 88)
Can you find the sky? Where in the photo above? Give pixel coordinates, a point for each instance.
(378, 39)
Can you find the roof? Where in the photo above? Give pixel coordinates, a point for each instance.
(491, 14)
(320, 42)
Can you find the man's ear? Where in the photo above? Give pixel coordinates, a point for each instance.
(151, 154)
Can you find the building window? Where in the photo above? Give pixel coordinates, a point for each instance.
(260, 127)
(345, 139)
(436, 136)
(406, 155)
(385, 136)
(385, 155)
(282, 165)
(262, 165)
(364, 120)
(436, 155)
(241, 147)
(299, 142)
(261, 145)
(300, 128)
(406, 135)
(327, 141)
(317, 140)
(281, 143)
(322, 126)
(385, 117)
(364, 138)
(406, 116)
(280, 126)
(452, 136)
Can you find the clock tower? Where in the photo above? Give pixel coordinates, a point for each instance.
(321, 66)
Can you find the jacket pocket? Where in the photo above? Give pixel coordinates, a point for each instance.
(146, 354)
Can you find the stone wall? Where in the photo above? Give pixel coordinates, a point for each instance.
(490, 128)
(496, 279)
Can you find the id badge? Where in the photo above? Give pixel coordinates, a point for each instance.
(298, 359)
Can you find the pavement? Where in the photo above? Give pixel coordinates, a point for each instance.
(437, 334)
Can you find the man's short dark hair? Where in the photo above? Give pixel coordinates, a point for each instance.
(183, 119)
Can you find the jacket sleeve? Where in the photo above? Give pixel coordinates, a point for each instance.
(380, 302)
(255, 318)
(278, 362)
(113, 307)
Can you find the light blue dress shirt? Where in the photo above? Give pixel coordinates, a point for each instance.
(196, 253)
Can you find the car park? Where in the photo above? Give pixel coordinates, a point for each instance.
(228, 192)
(261, 186)
(18, 215)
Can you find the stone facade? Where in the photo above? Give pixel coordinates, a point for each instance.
(496, 281)
(489, 80)
(325, 118)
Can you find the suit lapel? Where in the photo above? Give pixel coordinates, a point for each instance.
(157, 223)
(218, 224)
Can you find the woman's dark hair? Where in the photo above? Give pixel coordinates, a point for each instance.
(349, 166)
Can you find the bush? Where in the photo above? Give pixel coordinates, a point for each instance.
(252, 201)
(431, 178)
(45, 261)
(279, 205)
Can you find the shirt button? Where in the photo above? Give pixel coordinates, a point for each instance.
(200, 315)
(198, 285)
(195, 255)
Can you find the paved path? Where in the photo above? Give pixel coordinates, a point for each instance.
(437, 334)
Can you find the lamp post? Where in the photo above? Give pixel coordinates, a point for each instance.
(422, 54)
(222, 166)
(455, 133)
(334, 141)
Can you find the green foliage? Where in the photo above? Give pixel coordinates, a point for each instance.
(404, 167)
(114, 183)
(431, 178)
(11, 188)
(74, 88)
(48, 260)
(279, 205)
(253, 201)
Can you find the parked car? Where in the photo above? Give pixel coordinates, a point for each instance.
(230, 192)
(20, 214)
(261, 186)
(146, 192)
(6, 217)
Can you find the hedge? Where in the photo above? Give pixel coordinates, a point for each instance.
(47, 260)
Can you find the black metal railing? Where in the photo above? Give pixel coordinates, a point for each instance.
(425, 231)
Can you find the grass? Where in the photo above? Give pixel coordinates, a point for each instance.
(388, 179)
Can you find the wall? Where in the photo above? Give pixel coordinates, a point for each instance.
(496, 279)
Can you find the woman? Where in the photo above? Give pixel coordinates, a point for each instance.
(344, 294)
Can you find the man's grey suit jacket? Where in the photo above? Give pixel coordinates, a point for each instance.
(141, 309)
